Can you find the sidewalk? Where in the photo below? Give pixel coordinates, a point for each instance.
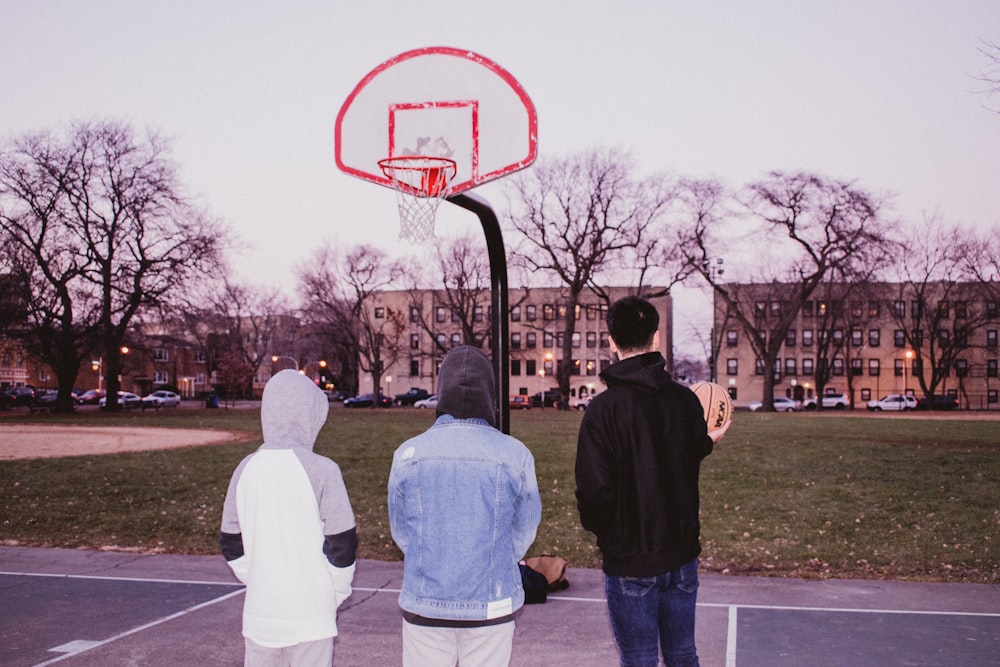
(89, 609)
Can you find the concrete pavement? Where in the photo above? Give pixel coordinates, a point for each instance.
(90, 608)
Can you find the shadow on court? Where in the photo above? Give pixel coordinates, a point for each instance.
(89, 608)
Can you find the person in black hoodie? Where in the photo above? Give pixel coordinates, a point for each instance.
(639, 452)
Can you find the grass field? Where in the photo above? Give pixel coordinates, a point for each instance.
(872, 496)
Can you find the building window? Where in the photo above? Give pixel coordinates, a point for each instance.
(456, 339)
(576, 368)
(808, 308)
(591, 312)
(548, 367)
(732, 366)
(531, 312)
(732, 338)
(548, 312)
(442, 341)
(943, 309)
(605, 340)
(899, 338)
(199, 356)
(874, 309)
(160, 354)
(866, 394)
(440, 314)
(515, 314)
(991, 396)
(790, 338)
(961, 310)
(530, 367)
(379, 312)
(548, 340)
(822, 308)
(791, 367)
(561, 311)
(758, 366)
(760, 309)
(807, 338)
(991, 338)
(591, 367)
(991, 309)
(899, 309)
(561, 340)
(857, 367)
(874, 367)
(857, 309)
(515, 341)
(531, 340)
(577, 339)
(456, 315)
(874, 338)
(917, 336)
(807, 367)
(592, 339)
(414, 368)
(775, 309)
(916, 309)
(962, 368)
(414, 314)
(515, 366)
(838, 367)
(477, 314)
(991, 368)
(943, 337)
(160, 377)
(838, 337)
(414, 341)
(857, 339)
(898, 366)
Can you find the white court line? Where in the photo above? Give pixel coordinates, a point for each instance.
(106, 578)
(151, 624)
(731, 637)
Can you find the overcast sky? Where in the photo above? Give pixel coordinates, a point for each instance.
(881, 92)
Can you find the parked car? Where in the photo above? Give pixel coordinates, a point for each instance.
(161, 399)
(17, 397)
(893, 402)
(582, 404)
(367, 401)
(781, 404)
(939, 402)
(830, 401)
(336, 395)
(45, 399)
(412, 396)
(429, 402)
(519, 402)
(126, 399)
(547, 399)
(91, 397)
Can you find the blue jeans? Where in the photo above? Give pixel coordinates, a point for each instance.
(647, 612)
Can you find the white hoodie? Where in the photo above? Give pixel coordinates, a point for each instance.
(288, 531)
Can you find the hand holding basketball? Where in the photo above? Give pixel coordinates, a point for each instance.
(717, 406)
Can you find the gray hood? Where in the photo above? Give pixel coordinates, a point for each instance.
(292, 411)
(466, 387)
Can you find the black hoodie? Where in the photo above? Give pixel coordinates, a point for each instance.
(638, 457)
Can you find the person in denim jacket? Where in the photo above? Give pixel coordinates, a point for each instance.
(464, 508)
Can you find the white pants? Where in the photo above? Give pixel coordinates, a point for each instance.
(307, 654)
(489, 646)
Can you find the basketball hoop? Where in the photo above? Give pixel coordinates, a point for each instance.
(420, 182)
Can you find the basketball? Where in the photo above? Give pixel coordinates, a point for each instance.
(716, 403)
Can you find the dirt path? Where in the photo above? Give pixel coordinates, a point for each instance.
(27, 441)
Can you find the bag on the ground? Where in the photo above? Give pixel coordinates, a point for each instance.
(552, 568)
(535, 585)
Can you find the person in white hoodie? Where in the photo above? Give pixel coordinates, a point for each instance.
(288, 531)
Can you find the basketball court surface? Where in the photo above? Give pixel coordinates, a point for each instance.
(89, 608)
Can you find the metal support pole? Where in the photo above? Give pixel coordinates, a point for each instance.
(500, 326)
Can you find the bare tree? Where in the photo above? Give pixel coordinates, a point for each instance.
(582, 218)
(98, 230)
(463, 291)
(340, 291)
(940, 304)
(991, 73)
(805, 229)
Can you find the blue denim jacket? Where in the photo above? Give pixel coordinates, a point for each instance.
(464, 508)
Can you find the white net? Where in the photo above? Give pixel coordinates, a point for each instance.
(421, 182)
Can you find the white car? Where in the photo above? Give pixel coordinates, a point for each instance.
(429, 402)
(896, 402)
(781, 404)
(161, 399)
(126, 399)
(830, 401)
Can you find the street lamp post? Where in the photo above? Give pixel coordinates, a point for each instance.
(713, 271)
(276, 357)
(909, 355)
